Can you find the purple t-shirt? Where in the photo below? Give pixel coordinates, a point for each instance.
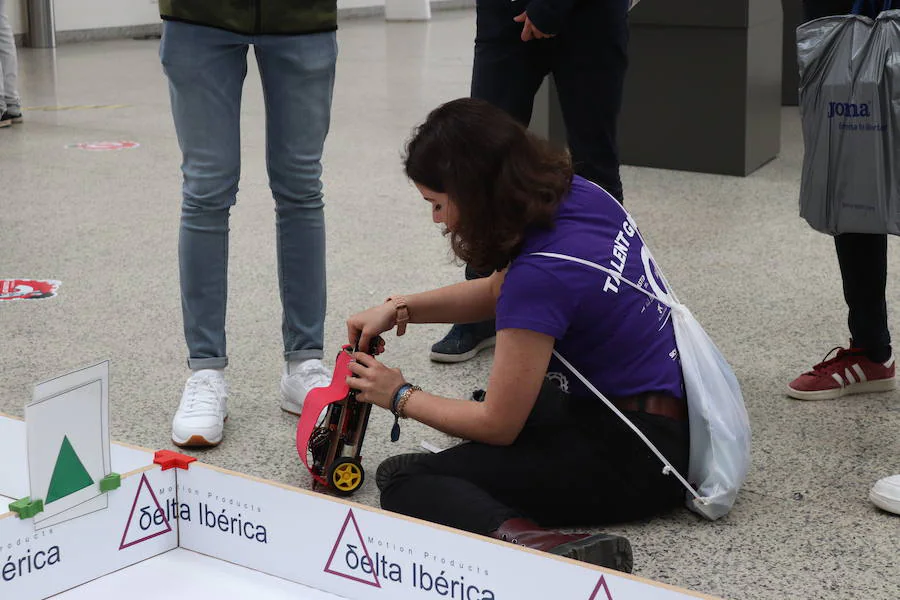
(620, 339)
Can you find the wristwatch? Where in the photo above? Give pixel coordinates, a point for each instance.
(402, 313)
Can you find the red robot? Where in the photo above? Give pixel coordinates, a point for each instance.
(330, 448)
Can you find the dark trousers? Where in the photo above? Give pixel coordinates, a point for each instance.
(862, 257)
(574, 463)
(587, 59)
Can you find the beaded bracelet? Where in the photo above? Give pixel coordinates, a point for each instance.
(401, 397)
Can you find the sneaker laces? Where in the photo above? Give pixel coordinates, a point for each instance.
(313, 374)
(202, 397)
(827, 364)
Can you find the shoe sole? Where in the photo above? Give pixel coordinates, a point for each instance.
(611, 551)
(18, 120)
(458, 358)
(199, 441)
(865, 387)
(196, 441)
(5, 124)
(891, 505)
(287, 405)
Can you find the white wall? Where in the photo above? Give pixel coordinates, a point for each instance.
(93, 14)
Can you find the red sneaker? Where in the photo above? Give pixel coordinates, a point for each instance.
(849, 372)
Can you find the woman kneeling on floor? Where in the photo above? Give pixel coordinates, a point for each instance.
(544, 450)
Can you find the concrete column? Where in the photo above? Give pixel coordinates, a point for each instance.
(703, 90)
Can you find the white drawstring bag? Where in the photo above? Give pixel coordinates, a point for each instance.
(718, 421)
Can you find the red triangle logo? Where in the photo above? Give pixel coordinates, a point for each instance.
(601, 585)
(351, 553)
(135, 530)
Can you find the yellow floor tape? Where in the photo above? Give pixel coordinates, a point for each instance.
(79, 107)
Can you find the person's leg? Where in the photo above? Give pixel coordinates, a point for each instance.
(298, 78)
(867, 366)
(9, 95)
(506, 72)
(589, 65)
(573, 464)
(206, 69)
(863, 261)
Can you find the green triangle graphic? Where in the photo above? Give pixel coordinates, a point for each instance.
(69, 475)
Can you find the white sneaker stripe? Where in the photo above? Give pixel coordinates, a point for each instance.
(837, 377)
(859, 372)
(889, 363)
(850, 378)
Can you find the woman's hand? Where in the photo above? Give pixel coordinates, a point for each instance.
(374, 382)
(364, 326)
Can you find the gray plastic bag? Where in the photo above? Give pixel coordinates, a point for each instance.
(848, 77)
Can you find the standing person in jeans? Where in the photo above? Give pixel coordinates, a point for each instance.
(10, 105)
(583, 44)
(204, 55)
(543, 450)
(868, 364)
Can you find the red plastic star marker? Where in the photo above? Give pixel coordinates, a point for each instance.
(172, 460)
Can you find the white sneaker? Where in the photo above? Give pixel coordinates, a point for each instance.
(886, 494)
(296, 384)
(201, 415)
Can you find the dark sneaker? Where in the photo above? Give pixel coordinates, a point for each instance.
(849, 372)
(463, 342)
(14, 115)
(5, 119)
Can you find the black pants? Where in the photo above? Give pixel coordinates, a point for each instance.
(587, 59)
(573, 464)
(862, 257)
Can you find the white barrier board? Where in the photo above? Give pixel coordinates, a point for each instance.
(37, 563)
(266, 536)
(183, 574)
(362, 553)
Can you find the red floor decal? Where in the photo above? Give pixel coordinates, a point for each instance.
(27, 289)
(104, 146)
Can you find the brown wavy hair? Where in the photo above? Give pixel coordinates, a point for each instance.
(502, 179)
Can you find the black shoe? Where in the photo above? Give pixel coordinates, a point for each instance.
(11, 116)
(389, 467)
(463, 342)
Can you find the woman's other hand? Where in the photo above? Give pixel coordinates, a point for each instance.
(374, 382)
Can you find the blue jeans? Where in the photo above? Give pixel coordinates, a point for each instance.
(206, 68)
(9, 97)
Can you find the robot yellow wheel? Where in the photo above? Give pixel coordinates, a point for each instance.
(345, 476)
